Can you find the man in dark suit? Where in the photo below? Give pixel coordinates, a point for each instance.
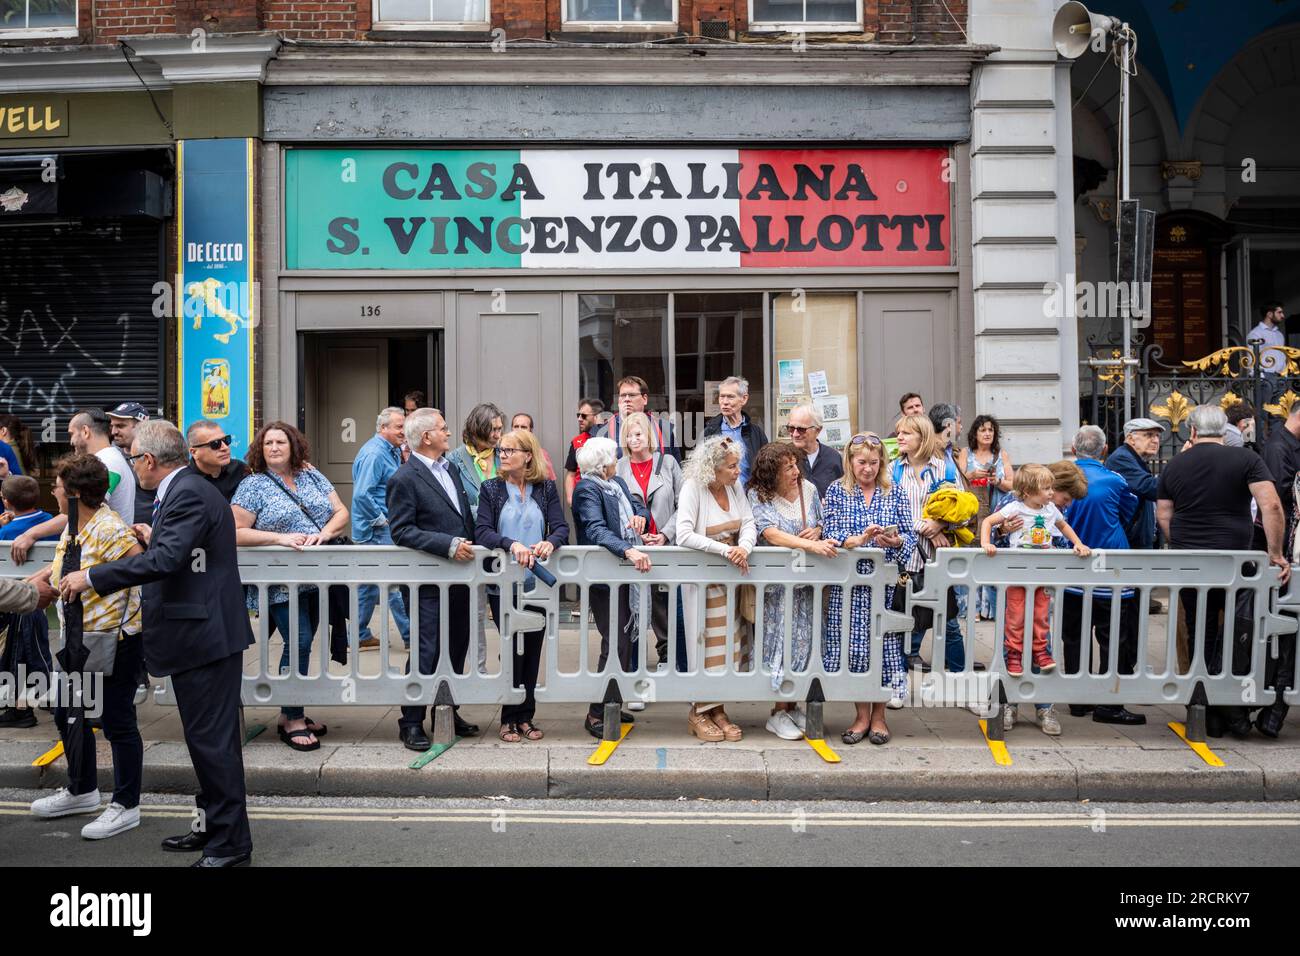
(195, 631)
(429, 511)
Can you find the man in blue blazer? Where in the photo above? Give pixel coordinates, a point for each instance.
(195, 630)
(429, 511)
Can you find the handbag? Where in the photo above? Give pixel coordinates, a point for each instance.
(102, 647)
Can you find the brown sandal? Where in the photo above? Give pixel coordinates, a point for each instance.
(730, 730)
(509, 733)
(529, 730)
(704, 728)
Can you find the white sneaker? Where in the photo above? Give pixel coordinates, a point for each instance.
(799, 719)
(141, 694)
(899, 700)
(637, 705)
(1047, 721)
(63, 804)
(114, 820)
(983, 711)
(1009, 714)
(781, 725)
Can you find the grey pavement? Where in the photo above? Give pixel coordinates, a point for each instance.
(934, 754)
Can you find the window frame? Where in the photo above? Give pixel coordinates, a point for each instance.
(44, 32)
(605, 26)
(484, 24)
(786, 26)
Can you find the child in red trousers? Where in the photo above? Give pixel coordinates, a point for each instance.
(1042, 518)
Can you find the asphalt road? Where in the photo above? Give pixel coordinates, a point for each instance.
(502, 832)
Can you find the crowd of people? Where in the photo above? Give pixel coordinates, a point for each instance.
(147, 496)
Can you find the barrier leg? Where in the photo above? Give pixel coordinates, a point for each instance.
(444, 727)
(246, 733)
(615, 730)
(992, 730)
(814, 715)
(1193, 733)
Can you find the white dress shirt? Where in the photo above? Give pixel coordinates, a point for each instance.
(438, 467)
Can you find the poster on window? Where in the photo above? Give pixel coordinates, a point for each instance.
(616, 208)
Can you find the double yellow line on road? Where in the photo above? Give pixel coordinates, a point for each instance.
(1082, 818)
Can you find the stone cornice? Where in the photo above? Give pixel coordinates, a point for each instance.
(523, 63)
(161, 61)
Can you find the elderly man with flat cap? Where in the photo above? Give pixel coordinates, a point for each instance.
(1132, 462)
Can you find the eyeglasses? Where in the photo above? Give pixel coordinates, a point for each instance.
(132, 459)
(800, 429)
(507, 452)
(867, 439)
(216, 443)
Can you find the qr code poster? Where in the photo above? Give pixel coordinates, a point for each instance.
(832, 407)
(836, 433)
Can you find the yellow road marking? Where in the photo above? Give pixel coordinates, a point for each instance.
(606, 748)
(54, 753)
(823, 751)
(1199, 748)
(997, 747)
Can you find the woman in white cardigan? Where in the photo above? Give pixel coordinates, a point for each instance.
(713, 514)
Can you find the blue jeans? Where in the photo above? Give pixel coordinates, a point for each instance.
(368, 597)
(308, 618)
(955, 650)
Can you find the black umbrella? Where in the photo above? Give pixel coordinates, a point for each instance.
(72, 658)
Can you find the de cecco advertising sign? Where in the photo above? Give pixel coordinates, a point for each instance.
(617, 208)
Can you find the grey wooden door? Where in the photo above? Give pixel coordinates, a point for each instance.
(351, 388)
(509, 351)
(906, 346)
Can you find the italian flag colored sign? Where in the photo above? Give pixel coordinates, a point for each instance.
(617, 208)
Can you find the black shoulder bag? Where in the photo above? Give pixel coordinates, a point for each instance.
(339, 609)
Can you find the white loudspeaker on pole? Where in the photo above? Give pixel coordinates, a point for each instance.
(1074, 26)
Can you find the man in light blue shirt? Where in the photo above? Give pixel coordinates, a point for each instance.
(1268, 335)
(377, 461)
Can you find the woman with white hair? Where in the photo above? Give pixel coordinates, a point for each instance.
(654, 480)
(606, 515)
(714, 515)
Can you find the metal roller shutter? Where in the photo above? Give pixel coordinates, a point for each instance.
(77, 326)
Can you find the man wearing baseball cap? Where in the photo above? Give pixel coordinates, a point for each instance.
(121, 422)
(1131, 461)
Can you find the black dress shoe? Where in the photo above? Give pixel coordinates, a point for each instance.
(1118, 715)
(1237, 720)
(413, 738)
(464, 728)
(1081, 710)
(190, 841)
(17, 717)
(1270, 719)
(215, 862)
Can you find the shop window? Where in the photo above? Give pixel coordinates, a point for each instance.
(815, 349)
(424, 12)
(621, 335)
(620, 11)
(45, 17)
(798, 15)
(717, 335)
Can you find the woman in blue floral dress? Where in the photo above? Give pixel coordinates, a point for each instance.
(862, 510)
(787, 514)
(285, 501)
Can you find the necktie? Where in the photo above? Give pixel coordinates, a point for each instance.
(157, 507)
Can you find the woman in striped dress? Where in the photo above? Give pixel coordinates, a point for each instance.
(713, 514)
(864, 510)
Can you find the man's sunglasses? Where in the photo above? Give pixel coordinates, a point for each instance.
(799, 429)
(216, 443)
